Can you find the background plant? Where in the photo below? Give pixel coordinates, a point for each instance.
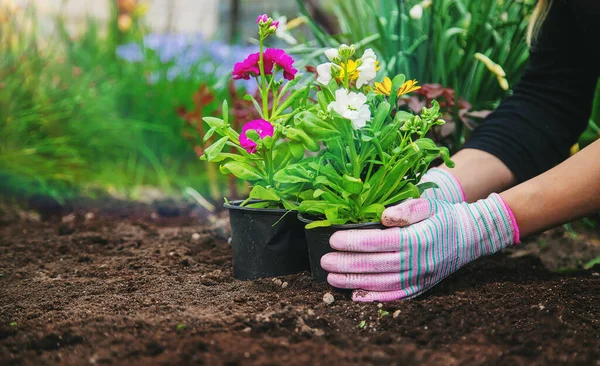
(85, 111)
(437, 42)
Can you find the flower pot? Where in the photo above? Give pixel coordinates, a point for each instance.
(266, 242)
(317, 240)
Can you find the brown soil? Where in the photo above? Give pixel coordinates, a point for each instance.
(132, 286)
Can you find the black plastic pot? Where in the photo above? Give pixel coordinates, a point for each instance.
(266, 242)
(317, 240)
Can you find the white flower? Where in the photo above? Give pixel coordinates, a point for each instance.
(416, 12)
(282, 32)
(352, 106)
(332, 54)
(367, 71)
(368, 55)
(324, 72)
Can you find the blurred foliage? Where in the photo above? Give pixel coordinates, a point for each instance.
(476, 48)
(86, 112)
(116, 108)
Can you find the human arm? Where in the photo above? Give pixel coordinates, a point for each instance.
(437, 238)
(533, 129)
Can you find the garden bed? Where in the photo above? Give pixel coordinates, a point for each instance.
(135, 284)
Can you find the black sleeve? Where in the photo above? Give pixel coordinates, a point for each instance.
(534, 129)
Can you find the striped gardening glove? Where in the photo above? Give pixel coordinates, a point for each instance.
(449, 189)
(431, 240)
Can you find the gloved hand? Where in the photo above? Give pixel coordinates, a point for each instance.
(449, 189)
(433, 239)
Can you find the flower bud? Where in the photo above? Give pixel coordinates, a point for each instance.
(332, 54)
(416, 12)
(345, 51)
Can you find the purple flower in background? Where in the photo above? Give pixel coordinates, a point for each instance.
(190, 57)
(262, 127)
(131, 52)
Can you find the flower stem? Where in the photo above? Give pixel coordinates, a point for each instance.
(264, 92)
(353, 155)
(346, 76)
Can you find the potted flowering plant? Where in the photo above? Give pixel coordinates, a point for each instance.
(374, 155)
(267, 239)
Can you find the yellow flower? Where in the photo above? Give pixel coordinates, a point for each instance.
(408, 87)
(503, 83)
(140, 10)
(385, 87)
(351, 66)
(296, 22)
(124, 22)
(494, 68)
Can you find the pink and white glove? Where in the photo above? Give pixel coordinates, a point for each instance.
(449, 188)
(433, 239)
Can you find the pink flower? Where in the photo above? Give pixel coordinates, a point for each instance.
(262, 127)
(275, 24)
(262, 18)
(282, 60)
(247, 68)
(272, 56)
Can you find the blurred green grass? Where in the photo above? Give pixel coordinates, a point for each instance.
(74, 118)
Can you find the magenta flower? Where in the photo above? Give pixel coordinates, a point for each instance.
(262, 127)
(275, 24)
(272, 56)
(262, 18)
(247, 68)
(283, 61)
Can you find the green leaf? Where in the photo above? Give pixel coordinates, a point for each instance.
(352, 185)
(253, 135)
(315, 127)
(296, 149)
(376, 208)
(222, 156)
(397, 82)
(256, 105)
(268, 142)
(289, 100)
(209, 134)
(241, 170)
(215, 149)
(301, 136)
(225, 110)
(262, 193)
(306, 195)
(408, 191)
(383, 111)
(318, 193)
(294, 173)
(592, 263)
(332, 214)
(316, 224)
(214, 122)
(403, 116)
(424, 186)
